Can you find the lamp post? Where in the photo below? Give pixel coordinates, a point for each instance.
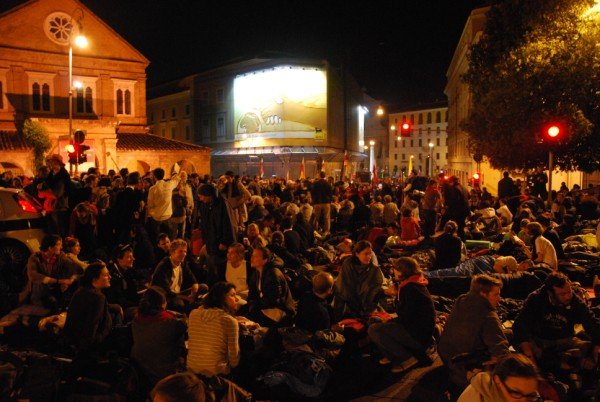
(371, 155)
(430, 159)
(81, 42)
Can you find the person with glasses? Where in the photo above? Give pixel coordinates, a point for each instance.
(514, 379)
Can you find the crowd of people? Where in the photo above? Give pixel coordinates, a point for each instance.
(218, 280)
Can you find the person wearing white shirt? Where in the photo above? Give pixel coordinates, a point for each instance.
(160, 208)
(544, 250)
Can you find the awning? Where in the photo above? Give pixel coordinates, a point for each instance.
(294, 153)
(150, 142)
(12, 141)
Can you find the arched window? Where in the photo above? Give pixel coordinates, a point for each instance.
(46, 97)
(36, 96)
(79, 101)
(127, 101)
(420, 118)
(438, 117)
(119, 101)
(428, 117)
(437, 130)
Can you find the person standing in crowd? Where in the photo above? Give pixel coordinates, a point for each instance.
(217, 229)
(59, 182)
(431, 203)
(321, 194)
(473, 331)
(456, 203)
(160, 205)
(506, 187)
(128, 206)
(405, 339)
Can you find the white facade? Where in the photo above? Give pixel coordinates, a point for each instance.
(428, 127)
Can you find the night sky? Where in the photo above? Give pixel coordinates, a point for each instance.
(398, 51)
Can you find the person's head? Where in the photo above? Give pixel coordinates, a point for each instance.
(164, 243)
(322, 174)
(322, 284)
(55, 162)
(487, 287)
(153, 301)
(253, 231)
(450, 227)
(534, 229)
(559, 288)
(96, 276)
(207, 193)
(544, 221)
(393, 228)
(504, 265)
(179, 387)
(158, 173)
(221, 295)
(260, 257)
(133, 179)
(505, 174)
(71, 245)
(277, 238)
(517, 378)
(287, 223)
(363, 250)
(406, 212)
(51, 244)
(124, 255)
(525, 222)
(235, 253)
(178, 251)
(405, 267)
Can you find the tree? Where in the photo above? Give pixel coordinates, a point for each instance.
(537, 61)
(36, 136)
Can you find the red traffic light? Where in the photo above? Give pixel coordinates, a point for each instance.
(475, 176)
(553, 131)
(405, 129)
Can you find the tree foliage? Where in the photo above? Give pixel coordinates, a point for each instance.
(538, 61)
(36, 136)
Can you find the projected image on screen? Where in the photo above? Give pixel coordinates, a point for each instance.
(283, 102)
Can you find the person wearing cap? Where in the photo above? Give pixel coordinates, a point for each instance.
(59, 182)
(217, 230)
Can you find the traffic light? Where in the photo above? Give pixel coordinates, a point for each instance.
(82, 156)
(72, 150)
(554, 131)
(405, 129)
(476, 179)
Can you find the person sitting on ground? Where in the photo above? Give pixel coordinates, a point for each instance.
(314, 311)
(123, 287)
(390, 210)
(158, 337)
(254, 238)
(278, 248)
(89, 320)
(552, 235)
(410, 229)
(72, 250)
(405, 339)
(545, 325)
(237, 269)
(483, 264)
(180, 387)
(306, 232)
(213, 346)
(293, 242)
(506, 217)
(49, 275)
(358, 285)
(449, 248)
(270, 301)
(163, 244)
(473, 332)
(174, 276)
(515, 378)
(543, 251)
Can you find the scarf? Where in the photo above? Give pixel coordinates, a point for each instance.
(417, 278)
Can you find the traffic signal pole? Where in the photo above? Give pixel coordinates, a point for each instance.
(550, 169)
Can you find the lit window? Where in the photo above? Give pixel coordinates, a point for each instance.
(84, 101)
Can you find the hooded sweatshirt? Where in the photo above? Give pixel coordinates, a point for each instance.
(482, 389)
(213, 346)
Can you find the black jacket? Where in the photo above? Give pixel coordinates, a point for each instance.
(163, 275)
(215, 225)
(274, 288)
(416, 312)
(88, 320)
(321, 192)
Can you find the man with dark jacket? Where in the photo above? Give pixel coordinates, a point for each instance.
(59, 182)
(217, 231)
(314, 312)
(173, 275)
(473, 333)
(506, 186)
(128, 206)
(545, 324)
(321, 194)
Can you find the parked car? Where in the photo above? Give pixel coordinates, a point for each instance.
(22, 227)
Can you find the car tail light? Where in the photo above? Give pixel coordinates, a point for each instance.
(27, 206)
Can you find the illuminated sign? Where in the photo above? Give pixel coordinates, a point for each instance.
(281, 102)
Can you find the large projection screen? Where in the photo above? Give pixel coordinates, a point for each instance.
(281, 102)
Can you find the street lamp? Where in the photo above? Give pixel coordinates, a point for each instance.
(371, 155)
(430, 159)
(81, 42)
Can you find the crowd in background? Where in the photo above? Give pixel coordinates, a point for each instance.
(218, 276)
